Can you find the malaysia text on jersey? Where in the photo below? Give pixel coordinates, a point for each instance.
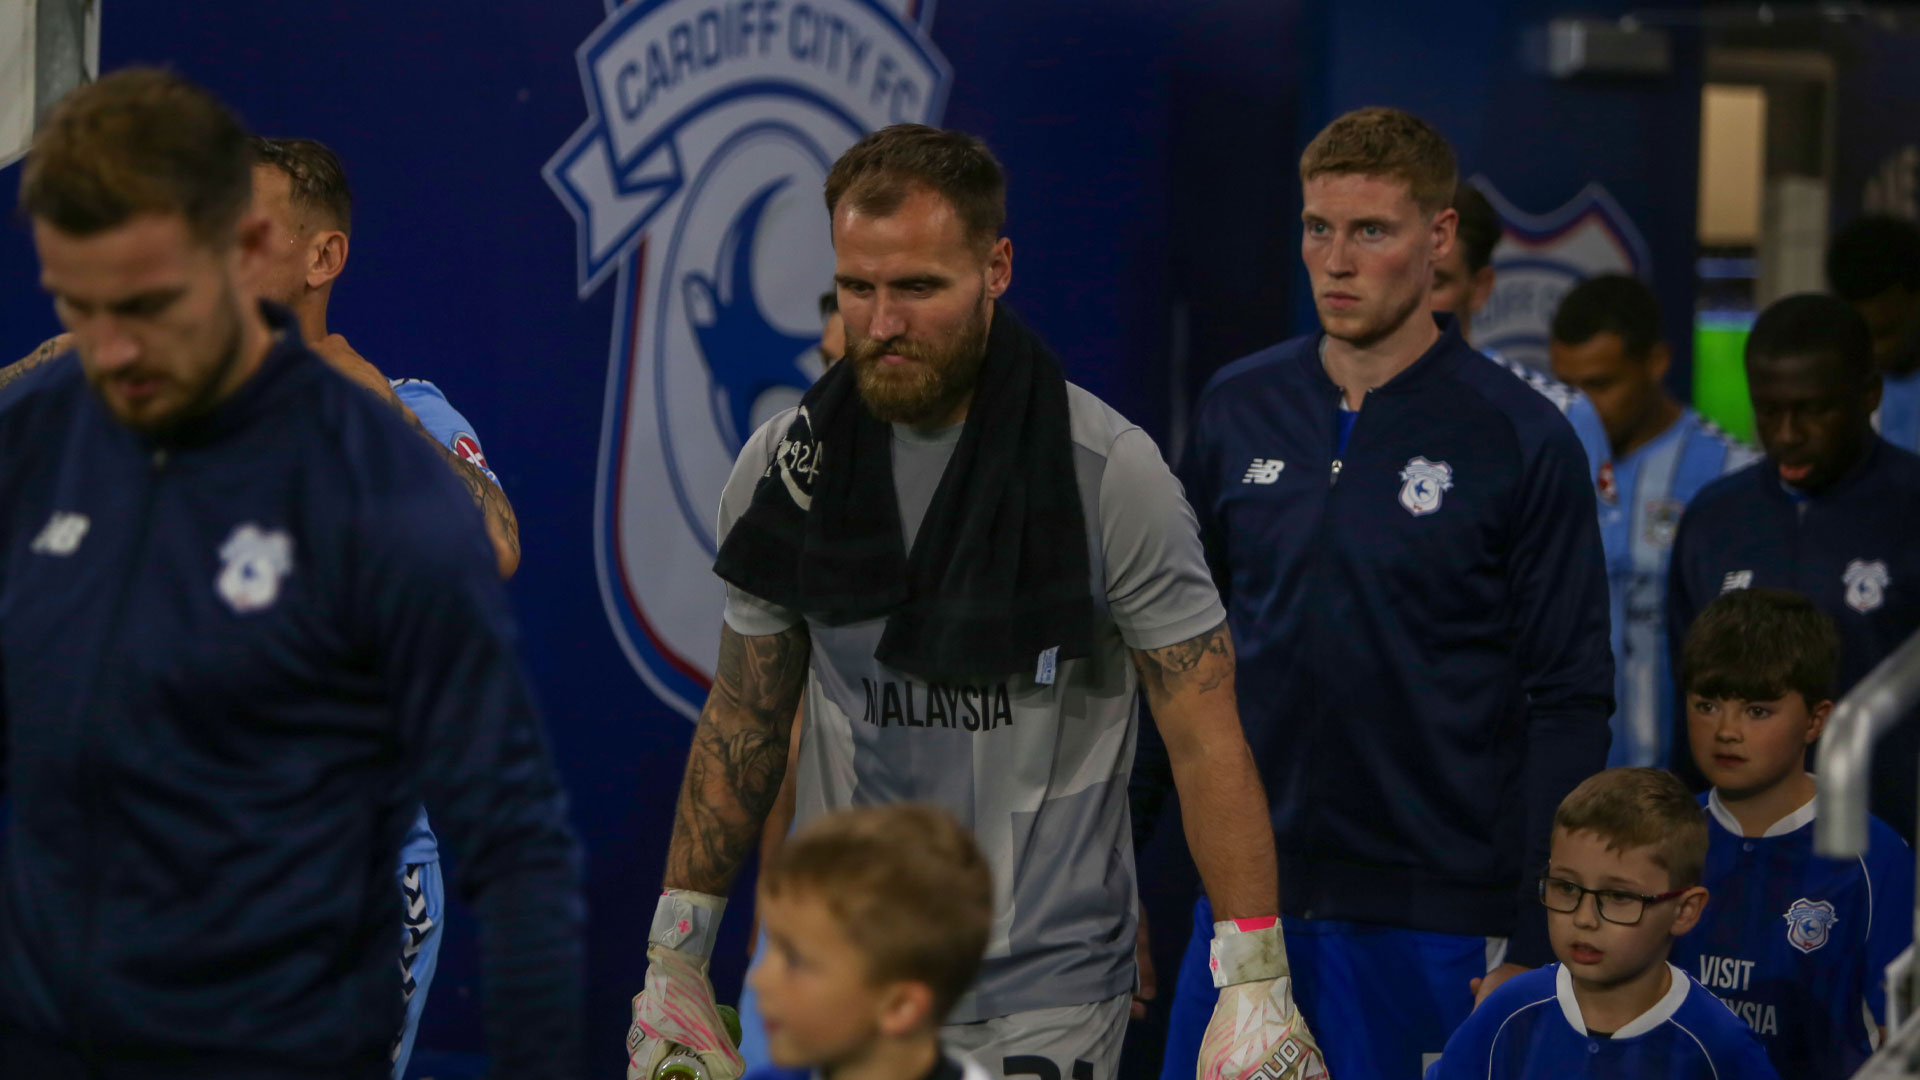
(1798, 945)
(1037, 769)
(228, 689)
(1638, 520)
(1421, 627)
(1853, 549)
(1532, 1028)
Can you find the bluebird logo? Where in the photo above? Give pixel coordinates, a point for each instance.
(1422, 483)
(1809, 923)
(694, 188)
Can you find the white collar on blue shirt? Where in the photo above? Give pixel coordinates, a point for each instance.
(1661, 1012)
(1793, 822)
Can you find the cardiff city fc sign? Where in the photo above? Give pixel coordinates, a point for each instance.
(1541, 256)
(695, 186)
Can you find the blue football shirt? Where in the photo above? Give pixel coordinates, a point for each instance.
(1639, 514)
(1899, 416)
(1532, 1027)
(1797, 945)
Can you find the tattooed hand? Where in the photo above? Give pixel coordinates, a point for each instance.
(738, 757)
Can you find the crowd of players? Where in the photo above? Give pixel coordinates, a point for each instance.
(1389, 616)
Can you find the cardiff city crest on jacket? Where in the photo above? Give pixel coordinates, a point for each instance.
(695, 187)
(1422, 483)
(1810, 923)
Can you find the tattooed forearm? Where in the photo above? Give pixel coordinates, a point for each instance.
(503, 527)
(1190, 687)
(1198, 665)
(738, 757)
(48, 349)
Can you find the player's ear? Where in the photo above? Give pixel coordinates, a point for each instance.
(906, 1006)
(999, 268)
(326, 257)
(1446, 225)
(1658, 357)
(1687, 909)
(1819, 713)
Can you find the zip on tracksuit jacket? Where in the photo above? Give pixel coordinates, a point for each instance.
(235, 662)
(1421, 624)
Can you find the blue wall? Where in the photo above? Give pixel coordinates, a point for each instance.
(1153, 207)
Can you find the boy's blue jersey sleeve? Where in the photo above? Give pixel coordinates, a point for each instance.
(443, 421)
(1890, 877)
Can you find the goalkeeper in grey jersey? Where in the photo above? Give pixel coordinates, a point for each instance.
(967, 566)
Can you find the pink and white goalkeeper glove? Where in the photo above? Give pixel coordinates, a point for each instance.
(1257, 1033)
(675, 1012)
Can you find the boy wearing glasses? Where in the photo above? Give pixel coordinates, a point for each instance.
(1796, 945)
(1622, 882)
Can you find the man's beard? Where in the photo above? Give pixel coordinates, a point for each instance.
(932, 386)
(203, 391)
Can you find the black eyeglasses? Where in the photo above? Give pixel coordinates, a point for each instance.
(1614, 905)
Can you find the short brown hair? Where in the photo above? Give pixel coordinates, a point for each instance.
(316, 180)
(139, 141)
(1479, 230)
(1758, 645)
(908, 885)
(881, 170)
(1649, 808)
(1390, 143)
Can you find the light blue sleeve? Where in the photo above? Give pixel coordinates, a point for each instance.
(1890, 870)
(443, 421)
(1593, 435)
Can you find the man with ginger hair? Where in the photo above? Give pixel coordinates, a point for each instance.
(1405, 536)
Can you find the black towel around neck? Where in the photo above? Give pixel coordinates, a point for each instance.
(998, 574)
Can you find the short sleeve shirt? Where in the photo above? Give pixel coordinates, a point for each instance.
(1039, 771)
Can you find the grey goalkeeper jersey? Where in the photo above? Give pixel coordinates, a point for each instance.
(1039, 772)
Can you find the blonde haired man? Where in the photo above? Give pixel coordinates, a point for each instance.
(1405, 536)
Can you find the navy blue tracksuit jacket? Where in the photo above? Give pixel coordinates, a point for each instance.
(1421, 625)
(235, 662)
(1854, 550)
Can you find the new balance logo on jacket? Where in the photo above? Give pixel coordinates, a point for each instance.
(1263, 471)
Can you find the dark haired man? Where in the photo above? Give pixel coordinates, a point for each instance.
(250, 628)
(1606, 341)
(1833, 512)
(302, 191)
(967, 567)
(1463, 279)
(1406, 539)
(1874, 264)
(299, 186)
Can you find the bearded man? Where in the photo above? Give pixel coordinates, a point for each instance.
(966, 566)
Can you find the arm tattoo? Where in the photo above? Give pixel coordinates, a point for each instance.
(738, 757)
(502, 524)
(1199, 665)
(48, 349)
